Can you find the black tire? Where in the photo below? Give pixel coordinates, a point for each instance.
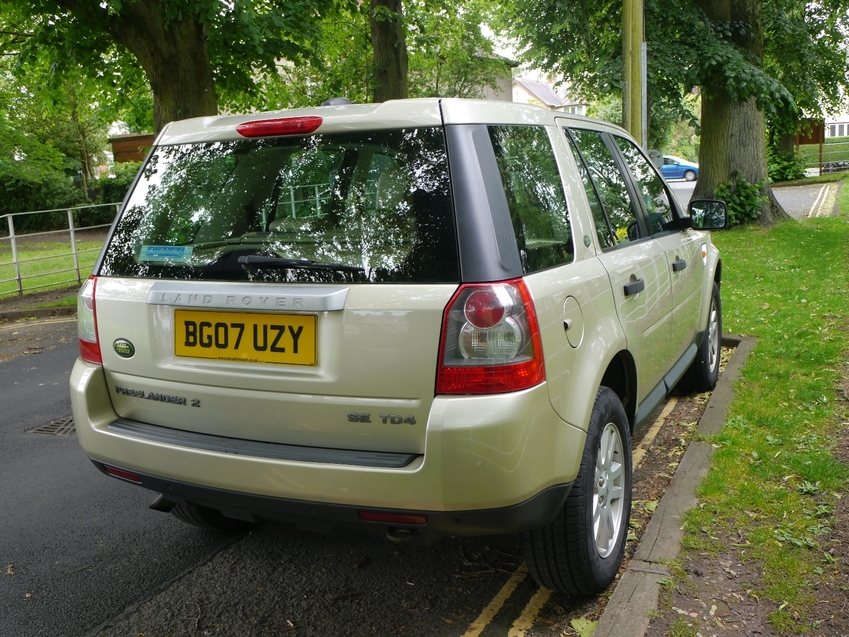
(704, 370)
(572, 554)
(209, 519)
(690, 175)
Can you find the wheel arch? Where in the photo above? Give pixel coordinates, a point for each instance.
(713, 274)
(621, 377)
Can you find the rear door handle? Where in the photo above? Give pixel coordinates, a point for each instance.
(679, 265)
(634, 287)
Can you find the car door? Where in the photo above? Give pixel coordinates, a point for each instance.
(683, 246)
(671, 169)
(635, 262)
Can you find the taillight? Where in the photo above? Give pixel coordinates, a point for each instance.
(490, 340)
(87, 323)
(279, 126)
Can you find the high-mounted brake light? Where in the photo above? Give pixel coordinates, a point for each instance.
(490, 340)
(87, 323)
(279, 126)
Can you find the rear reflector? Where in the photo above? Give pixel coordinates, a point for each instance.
(392, 518)
(123, 474)
(279, 126)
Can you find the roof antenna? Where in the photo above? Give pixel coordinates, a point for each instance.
(336, 101)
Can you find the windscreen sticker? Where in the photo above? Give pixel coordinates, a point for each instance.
(166, 254)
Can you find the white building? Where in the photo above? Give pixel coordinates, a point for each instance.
(837, 126)
(527, 91)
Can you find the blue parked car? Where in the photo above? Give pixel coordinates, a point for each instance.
(676, 168)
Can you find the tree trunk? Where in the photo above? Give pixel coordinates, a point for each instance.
(390, 50)
(174, 57)
(733, 140)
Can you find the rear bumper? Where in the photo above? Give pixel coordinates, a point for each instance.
(493, 464)
(534, 513)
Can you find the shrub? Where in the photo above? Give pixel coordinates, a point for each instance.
(743, 199)
(784, 165)
(36, 188)
(113, 189)
(108, 190)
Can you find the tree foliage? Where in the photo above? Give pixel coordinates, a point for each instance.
(194, 53)
(803, 66)
(778, 57)
(48, 136)
(448, 56)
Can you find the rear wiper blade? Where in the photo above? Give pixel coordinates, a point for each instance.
(256, 261)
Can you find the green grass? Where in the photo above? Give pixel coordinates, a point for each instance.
(68, 301)
(53, 268)
(774, 479)
(834, 149)
(807, 181)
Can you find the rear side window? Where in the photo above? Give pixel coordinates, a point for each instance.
(655, 196)
(534, 195)
(605, 239)
(609, 186)
(354, 207)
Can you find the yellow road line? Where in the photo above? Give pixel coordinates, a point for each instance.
(814, 207)
(651, 434)
(525, 621)
(23, 324)
(497, 603)
(827, 202)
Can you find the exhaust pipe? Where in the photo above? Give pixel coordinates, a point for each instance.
(161, 503)
(401, 535)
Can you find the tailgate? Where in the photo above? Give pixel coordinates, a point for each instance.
(345, 367)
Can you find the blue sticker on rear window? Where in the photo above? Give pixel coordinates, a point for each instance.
(166, 254)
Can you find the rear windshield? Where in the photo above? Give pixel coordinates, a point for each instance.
(354, 207)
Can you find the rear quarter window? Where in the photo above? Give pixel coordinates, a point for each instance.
(535, 195)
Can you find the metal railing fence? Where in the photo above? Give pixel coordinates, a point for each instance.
(16, 239)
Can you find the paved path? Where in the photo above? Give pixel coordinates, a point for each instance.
(800, 201)
(807, 201)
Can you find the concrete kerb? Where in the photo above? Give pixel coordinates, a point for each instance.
(46, 312)
(627, 614)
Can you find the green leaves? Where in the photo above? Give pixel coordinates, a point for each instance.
(583, 626)
(790, 58)
(744, 199)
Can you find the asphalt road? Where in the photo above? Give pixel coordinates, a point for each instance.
(800, 202)
(76, 548)
(82, 555)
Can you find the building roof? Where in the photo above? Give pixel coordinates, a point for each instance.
(541, 91)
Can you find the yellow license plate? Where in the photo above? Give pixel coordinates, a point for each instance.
(287, 339)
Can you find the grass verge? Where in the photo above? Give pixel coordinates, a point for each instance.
(774, 479)
(45, 265)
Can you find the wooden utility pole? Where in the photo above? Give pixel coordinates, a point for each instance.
(634, 116)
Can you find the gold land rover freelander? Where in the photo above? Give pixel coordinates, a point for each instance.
(423, 317)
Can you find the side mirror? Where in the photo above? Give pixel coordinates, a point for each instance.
(708, 214)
